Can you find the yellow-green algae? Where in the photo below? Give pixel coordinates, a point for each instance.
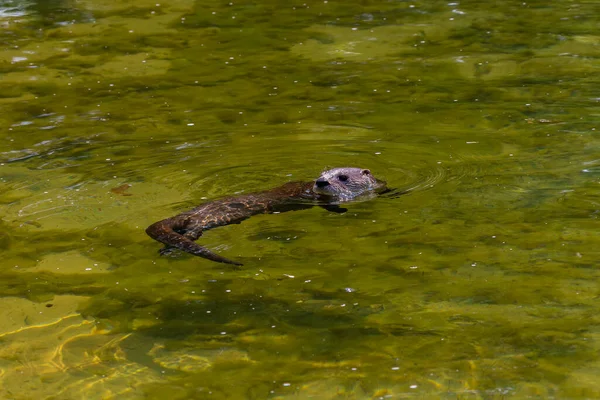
(480, 283)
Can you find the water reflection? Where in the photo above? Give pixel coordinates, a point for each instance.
(45, 13)
(12, 8)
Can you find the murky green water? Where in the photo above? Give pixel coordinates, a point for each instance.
(480, 283)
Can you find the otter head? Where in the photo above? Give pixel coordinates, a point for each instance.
(344, 184)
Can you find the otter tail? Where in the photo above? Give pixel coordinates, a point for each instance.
(163, 232)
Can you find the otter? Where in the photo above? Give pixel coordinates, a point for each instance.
(333, 187)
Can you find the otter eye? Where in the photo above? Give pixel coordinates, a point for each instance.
(343, 178)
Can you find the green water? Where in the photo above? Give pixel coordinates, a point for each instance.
(481, 283)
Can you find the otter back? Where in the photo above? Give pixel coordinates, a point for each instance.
(333, 187)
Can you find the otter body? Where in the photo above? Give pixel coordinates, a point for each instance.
(331, 188)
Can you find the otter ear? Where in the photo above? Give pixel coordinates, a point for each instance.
(365, 172)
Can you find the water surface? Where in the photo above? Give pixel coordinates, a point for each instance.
(481, 282)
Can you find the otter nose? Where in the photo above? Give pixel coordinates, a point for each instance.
(321, 183)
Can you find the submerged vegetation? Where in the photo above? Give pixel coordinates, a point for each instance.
(481, 282)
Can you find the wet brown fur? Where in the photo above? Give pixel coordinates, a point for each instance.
(182, 230)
